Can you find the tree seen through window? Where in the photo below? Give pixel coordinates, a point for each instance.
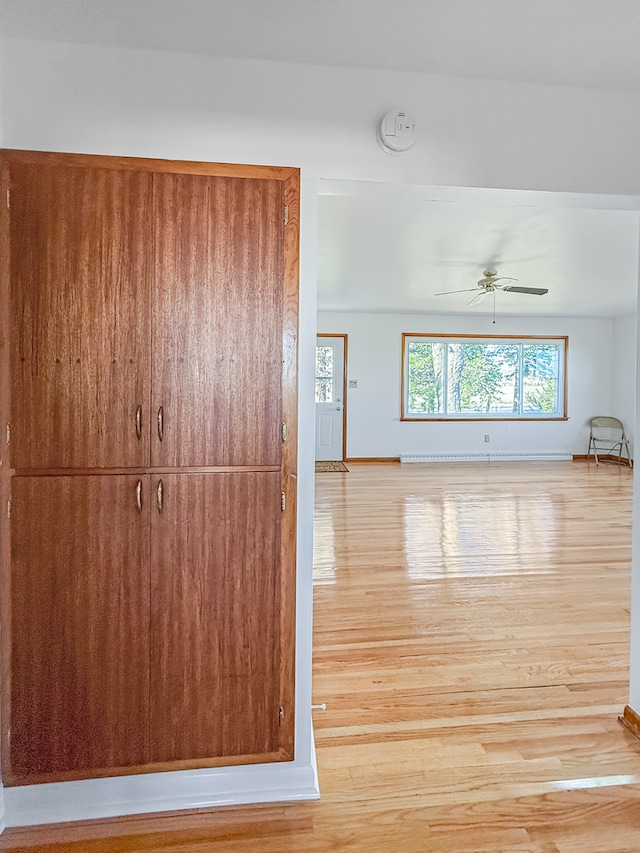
(476, 377)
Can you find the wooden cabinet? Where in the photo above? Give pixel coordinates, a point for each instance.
(215, 638)
(80, 325)
(217, 320)
(79, 682)
(148, 566)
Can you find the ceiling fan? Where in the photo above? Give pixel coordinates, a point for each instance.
(489, 284)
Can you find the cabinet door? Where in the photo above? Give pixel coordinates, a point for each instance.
(217, 320)
(80, 309)
(215, 618)
(78, 696)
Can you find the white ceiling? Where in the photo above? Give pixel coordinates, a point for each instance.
(389, 248)
(576, 42)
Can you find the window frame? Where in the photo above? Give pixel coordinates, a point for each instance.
(438, 337)
(331, 378)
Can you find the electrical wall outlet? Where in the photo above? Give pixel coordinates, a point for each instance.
(487, 437)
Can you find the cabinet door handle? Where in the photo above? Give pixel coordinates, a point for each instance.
(139, 495)
(159, 497)
(160, 422)
(139, 422)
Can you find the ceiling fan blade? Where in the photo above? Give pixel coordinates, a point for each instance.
(445, 292)
(479, 297)
(535, 291)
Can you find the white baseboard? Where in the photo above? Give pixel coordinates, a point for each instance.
(486, 457)
(314, 762)
(58, 802)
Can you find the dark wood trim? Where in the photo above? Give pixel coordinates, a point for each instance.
(345, 386)
(158, 767)
(607, 457)
(402, 381)
(452, 419)
(566, 377)
(372, 460)
(476, 335)
(5, 449)
(67, 472)
(289, 463)
(138, 164)
(630, 719)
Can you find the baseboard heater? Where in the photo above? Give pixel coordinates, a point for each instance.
(486, 457)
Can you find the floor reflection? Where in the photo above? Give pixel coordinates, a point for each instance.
(476, 534)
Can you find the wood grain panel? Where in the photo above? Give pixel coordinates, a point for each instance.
(80, 314)
(79, 691)
(217, 320)
(215, 645)
(5, 448)
(289, 480)
(158, 469)
(145, 164)
(221, 341)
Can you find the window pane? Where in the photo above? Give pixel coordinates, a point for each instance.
(324, 361)
(541, 380)
(324, 390)
(426, 378)
(483, 379)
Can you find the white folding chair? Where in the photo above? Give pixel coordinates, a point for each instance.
(606, 437)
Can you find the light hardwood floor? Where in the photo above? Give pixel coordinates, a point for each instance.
(471, 644)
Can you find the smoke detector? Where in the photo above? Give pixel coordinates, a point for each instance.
(397, 132)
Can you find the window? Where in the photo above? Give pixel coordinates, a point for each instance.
(473, 377)
(324, 374)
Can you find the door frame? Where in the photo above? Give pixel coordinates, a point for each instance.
(344, 385)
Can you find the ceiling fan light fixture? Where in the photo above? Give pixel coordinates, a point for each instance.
(489, 284)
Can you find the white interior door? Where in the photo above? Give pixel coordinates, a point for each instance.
(329, 398)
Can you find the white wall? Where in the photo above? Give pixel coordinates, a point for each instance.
(624, 373)
(148, 103)
(111, 101)
(2, 52)
(373, 409)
